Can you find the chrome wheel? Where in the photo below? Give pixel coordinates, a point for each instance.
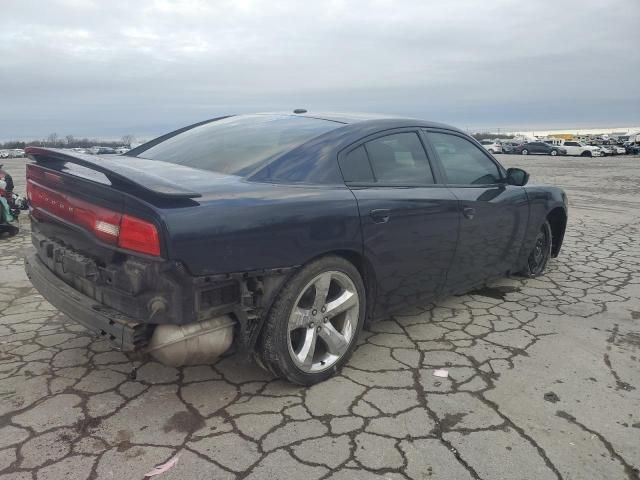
(323, 321)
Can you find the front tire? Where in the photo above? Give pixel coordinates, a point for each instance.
(525, 152)
(554, 153)
(586, 154)
(539, 256)
(311, 329)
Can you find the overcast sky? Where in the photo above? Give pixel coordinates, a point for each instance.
(108, 68)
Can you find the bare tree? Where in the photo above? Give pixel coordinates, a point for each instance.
(128, 140)
(70, 140)
(52, 139)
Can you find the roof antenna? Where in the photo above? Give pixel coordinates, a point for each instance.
(300, 110)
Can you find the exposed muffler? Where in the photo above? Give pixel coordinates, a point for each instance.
(194, 343)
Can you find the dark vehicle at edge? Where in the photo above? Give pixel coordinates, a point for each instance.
(278, 234)
(539, 148)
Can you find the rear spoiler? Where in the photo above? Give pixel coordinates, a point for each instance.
(118, 171)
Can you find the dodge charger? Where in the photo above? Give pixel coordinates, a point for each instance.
(278, 235)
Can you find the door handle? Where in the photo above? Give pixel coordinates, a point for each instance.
(380, 215)
(468, 212)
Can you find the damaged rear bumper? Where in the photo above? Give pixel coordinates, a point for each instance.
(123, 331)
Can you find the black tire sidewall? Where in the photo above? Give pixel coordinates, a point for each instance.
(527, 270)
(273, 348)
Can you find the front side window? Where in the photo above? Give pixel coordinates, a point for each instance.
(399, 159)
(463, 162)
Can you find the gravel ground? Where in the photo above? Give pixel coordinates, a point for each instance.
(544, 377)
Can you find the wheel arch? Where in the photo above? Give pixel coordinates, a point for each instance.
(367, 272)
(364, 267)
(275, 284)
(557, 219)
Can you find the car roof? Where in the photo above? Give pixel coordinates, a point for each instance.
(352, 118)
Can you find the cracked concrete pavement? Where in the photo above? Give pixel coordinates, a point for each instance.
(544, 377)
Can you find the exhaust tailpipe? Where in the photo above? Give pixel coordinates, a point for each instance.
(194, 343)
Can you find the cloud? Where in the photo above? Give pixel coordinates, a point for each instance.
(107, 68)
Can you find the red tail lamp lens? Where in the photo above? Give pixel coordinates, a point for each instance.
(111, 227)
(138, 235)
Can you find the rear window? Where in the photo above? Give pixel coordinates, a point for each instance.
(238, 145)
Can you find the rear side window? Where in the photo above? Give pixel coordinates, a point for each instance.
(355, 167)
(463, 162)
(399, 159)
(238, 145)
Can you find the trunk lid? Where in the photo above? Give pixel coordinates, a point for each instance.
(88, 202)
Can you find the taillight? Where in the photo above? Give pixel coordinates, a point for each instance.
(104, 223)
(124, 231)
(138, 235)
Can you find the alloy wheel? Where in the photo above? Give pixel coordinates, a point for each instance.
(323, 321)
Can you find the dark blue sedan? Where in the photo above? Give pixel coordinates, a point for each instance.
(278, 234)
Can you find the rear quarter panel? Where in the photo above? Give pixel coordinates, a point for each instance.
(254, 226)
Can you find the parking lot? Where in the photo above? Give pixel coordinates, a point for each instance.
(544, 376)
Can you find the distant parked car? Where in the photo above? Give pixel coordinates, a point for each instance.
(509, 147)
(618, 150)
(632, 149)
(539, 148)
(491, 146)
(105, 151)
(606, 150)
(581, 149)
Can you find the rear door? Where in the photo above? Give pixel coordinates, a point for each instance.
(543, 148)
(409, 221)
(573, 148)
(493, 215)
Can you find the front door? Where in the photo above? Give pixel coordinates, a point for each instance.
(493, 214)
(409, 223)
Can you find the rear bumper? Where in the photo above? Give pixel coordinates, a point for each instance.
(123, 331)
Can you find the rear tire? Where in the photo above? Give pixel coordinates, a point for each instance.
(302, 340)
(539, 256)
(525, 151)
(554, 153)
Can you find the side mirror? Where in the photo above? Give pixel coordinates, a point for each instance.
(517, 176)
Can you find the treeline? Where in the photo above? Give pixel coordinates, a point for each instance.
(69, 141)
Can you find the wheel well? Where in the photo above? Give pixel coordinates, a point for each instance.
(366, 272)
(557, 218)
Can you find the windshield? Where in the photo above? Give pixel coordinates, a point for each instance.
(238, 145)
